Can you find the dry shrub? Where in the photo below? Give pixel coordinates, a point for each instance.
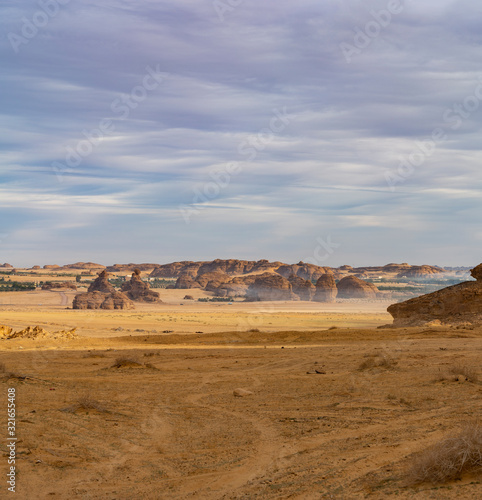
(377, 361)
(125, 362)
(94, 355)
(467, 371)
(85, 403)
(454, 372)
(449, 459)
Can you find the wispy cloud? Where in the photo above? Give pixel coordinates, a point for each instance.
(324, 174)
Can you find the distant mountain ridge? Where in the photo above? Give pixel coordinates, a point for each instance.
(233, 267)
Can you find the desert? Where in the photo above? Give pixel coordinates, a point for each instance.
(240, 250)
(243, 398)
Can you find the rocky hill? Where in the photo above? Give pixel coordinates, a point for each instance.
(457, 304)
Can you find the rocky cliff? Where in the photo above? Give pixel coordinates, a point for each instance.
(453, 305)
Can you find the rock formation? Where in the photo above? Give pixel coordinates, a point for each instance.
(304, 289)
(457, 304)
(326, 290)
(237, 287)
(139, 291)
(6, 265)
(419, 272)
(100, 300)
(83, 265)
(352, 287)
(303, 270)
(51, 266)
(102, 295)
(101, 284)
(212, 280)
(270, 286)
(185, 281)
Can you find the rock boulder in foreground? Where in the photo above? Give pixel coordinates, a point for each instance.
(457, 304)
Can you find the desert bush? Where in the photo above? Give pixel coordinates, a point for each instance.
(377, 361)
(449, 459)
(85, 403)
(468, 372)
(125, 361)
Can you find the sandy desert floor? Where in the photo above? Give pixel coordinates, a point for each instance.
(139, 405)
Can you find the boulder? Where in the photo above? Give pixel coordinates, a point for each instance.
(5, 331)
(138, 290)
(304, 289)
(241, 393)
(352, 287)
(455, 305)
(326, 290)
(270, 286)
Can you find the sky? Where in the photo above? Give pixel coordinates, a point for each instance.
(334, 132)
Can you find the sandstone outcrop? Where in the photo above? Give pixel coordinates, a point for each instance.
(102, 295)
(476, 272)
(352, 287)
(304, 289)
(6, 265)
(84, 265)
(237, 287)
(326, 289)
(101, 284)
(185, 282)
(457, 304)
(303, 270)
(138, 290)
(419, 272)
(270, 286)
(51, 266)
(212, 280)
(100, 300)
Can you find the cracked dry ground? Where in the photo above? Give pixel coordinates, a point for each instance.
(166, 424)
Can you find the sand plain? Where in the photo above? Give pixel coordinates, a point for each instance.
(139, 405)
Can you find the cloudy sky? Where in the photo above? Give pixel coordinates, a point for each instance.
(336, 132)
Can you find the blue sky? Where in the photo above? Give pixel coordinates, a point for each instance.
(155, 131)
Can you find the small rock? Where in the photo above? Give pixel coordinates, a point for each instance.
(240, 393)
